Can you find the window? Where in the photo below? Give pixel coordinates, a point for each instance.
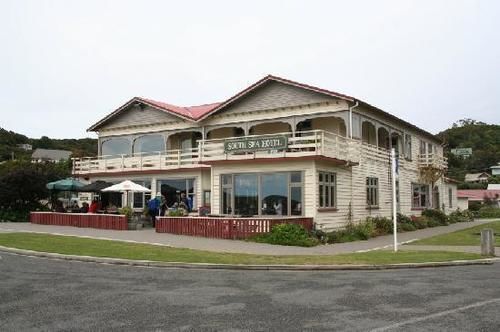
(115, 146)
(262, 194)
(227, 194)
(149, 143)
(206, 198)
(420, 196)
(140, 199)
(172, 189)
(422, 148)
(327, 190)
(407, 146)
(450, 198)
(372, 192)
(246, 190)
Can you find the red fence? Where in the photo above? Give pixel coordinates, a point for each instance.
(88, 220)
(224, 227)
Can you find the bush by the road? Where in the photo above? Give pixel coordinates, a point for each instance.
(377, 226)
(287, 235)
(488, 212)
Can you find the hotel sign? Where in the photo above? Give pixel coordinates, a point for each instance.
(250, 144)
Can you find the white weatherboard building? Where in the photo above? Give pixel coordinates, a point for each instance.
(277, 148)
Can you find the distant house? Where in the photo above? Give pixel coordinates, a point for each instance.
(26, 147)
(495, 170)
(477, 195)
(47, 155)
(477, 177)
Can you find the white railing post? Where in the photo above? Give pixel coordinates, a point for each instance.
(140, 162)
(178, 157)
(159, 160)
(123, 162)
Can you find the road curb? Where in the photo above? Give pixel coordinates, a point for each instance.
(146, 263)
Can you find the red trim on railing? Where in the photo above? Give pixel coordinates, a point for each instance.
(85, 220)
(224, 227)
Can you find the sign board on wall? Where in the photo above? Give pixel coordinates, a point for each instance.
(250, 144)
(463, 152)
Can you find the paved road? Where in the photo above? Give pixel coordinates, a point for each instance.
(219, 245)
(52, 295)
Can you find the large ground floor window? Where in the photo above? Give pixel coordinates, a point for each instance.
(252, 194)
(173, 188)
(139, 199)
(420, 195)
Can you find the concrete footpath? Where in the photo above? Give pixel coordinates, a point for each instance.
(149, 236)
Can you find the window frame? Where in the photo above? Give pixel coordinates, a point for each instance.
(327, 186)
(420, 192)
(230, 187)
(372, 192)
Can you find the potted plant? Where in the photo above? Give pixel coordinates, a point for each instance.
(129, 213)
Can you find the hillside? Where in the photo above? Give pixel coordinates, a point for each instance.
(9, 140)
(483, 138)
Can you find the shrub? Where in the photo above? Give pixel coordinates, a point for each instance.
(460, 216)
(354, 232)
(287, 235)
(401, 218)
(177, 212)
(383, 225)
(362, 230)
(420, 222)
(431, 222)
(488, 212)
(407, 227)
(127, 211)
(438, 215)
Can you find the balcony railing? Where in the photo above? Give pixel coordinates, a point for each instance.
(303, 143)
(299, 144)
(432, 160)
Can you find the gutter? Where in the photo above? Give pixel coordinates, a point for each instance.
(350, 117)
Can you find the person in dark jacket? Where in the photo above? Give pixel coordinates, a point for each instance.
(153, 207)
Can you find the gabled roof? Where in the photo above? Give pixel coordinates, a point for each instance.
(476, 176)
(478, 194)
(201, 112)
(268, 78)
(191, 113)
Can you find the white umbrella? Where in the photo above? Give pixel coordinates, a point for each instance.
(127, 186)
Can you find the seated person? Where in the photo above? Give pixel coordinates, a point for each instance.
(94, 206)
(84, 208)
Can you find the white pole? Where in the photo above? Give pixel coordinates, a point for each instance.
(394, 207)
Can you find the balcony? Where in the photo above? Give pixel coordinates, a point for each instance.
(300, 144)
(432, 160)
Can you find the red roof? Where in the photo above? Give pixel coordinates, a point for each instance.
(198, 113)
(478, 194)
(191, 112)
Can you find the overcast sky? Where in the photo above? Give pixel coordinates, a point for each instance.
(66, 64)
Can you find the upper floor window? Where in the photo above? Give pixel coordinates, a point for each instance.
(372, 191)
(115, 146)
(408, 146)
(149, 143)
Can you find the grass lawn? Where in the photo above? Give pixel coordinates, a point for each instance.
(466, 237)
(105, 248)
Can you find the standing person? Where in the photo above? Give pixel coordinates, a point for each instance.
(154, 206)
(163, 206)
(187, 202)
